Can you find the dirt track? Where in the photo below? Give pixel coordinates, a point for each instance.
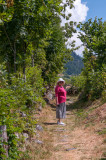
(70, 142)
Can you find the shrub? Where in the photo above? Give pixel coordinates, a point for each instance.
(17, 98)
(96, 84)
(78, 81)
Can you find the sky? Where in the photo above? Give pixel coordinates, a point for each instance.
(84, 10)
(96, 8)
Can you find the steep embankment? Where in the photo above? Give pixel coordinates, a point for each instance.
(82, 138)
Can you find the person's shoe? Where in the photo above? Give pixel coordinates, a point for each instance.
(60, 123)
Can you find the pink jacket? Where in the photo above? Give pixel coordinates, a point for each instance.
(60, 92)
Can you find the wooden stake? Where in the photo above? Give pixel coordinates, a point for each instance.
(3, 137)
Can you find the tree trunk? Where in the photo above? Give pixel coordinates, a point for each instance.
(32, 60)
(24, 65)
(24, 73)
(3, 137)
(14, 57)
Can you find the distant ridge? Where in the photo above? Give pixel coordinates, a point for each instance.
(74, 67)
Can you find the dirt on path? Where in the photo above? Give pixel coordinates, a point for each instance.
(70, 142)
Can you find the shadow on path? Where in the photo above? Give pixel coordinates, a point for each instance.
(74, 104)
(53, 106)
(50, 123)
(78, 104)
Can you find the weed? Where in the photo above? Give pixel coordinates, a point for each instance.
(87, 125)
(103, 131)
(57, 148)
(104, 141)
(104, 154)
(25, 156)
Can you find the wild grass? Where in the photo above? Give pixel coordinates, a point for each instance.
(101, 132)
(104, 141)
(37, 151)
(85, 111)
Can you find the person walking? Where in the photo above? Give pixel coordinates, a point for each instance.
(60, 94)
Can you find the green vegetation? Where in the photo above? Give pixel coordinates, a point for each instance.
(94, 38)
(32, 54)
(104, 141)
(74, 66)
(16, 98)
(92, 79)
(34, 36)
(103, 131)
(78, 81)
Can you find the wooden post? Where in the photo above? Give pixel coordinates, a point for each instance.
(3, 137)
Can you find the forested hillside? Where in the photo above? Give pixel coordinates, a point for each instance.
(74, 66)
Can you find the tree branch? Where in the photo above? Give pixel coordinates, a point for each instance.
(8, 39)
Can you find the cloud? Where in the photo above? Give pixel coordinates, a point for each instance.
(77, 43)
(79, 14)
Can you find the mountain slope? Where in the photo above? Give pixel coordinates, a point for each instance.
(74, 67)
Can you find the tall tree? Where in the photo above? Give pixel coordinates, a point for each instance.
(93, 37)
(34, 36)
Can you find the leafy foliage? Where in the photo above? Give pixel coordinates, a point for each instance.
(16, 98)
(93, 36)
(33, 50)
(78, 81)
(35, 36)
